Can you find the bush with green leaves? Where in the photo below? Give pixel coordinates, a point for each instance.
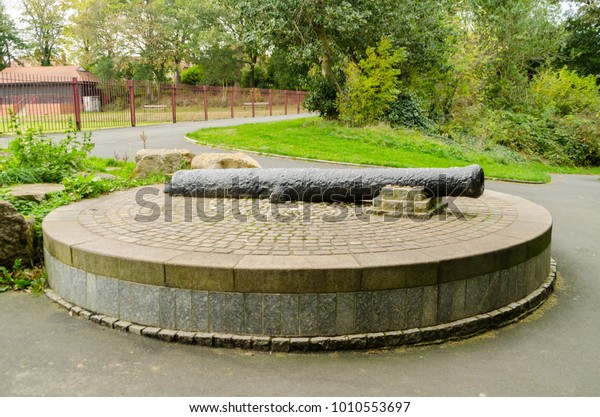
(580, 139)
(406, 111)
(564, 92)
(371, 85)
(567, 140)
(322, 98)
(34, 157)
(556, 123)
(194, 75)
(82, 187)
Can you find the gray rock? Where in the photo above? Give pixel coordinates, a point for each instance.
(16, 235)
(223, 161)
(156, 161)
(34, 192)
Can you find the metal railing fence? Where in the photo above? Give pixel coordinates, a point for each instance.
(52, 103)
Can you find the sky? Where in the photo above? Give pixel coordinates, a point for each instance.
(13, 8)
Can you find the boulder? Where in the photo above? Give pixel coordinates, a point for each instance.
(161, 161)
(223, 161)
(16, 235)
(34, 192)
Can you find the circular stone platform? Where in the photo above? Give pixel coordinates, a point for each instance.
(299, 276)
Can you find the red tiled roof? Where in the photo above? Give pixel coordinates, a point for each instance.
(46, 73)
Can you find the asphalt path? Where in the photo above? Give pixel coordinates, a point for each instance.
(125, 142)
(554, 352)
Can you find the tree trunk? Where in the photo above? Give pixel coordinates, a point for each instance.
(252, 77)
(178, 72)
(326, 70)
(46, 52)
(326, 53)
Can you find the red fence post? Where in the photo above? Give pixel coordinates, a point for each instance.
(252, 98)
(232, 101)
(131, 102)
(205, 102)
(270, 102)
(285, 102)
(76, 100)
(173, 103)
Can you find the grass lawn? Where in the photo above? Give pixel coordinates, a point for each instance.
(331, 141)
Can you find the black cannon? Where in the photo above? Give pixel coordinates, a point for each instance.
(324, 185)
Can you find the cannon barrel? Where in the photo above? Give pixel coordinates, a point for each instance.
(324, 185)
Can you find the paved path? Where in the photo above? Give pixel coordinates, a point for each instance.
(126, 141)
(43, 351)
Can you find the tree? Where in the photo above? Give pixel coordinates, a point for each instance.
(44, 21)
(140, 39)
(220, 65)
(243, 27)
(422, 28)
(372, 85)
(182, 27)
(163, 33)
(96, 32)
(326, 31)
(522, 37)
(100, 34)
(285, 72)
(582, 48)
(10, 42)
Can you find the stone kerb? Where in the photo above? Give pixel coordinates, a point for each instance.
(269, 295)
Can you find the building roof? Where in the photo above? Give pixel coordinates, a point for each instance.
(62, 73)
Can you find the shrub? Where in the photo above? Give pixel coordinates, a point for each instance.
(406, 111)
(371, 86)
(194, 75)
(81, 187)
(570, 140)
(559, 124)
(322, 97)
(527, 134)
(36, 158)
(580, 139)
(564, 92)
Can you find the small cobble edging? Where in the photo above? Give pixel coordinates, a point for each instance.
(456, 330)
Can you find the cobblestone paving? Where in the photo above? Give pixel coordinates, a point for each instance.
(254, 227)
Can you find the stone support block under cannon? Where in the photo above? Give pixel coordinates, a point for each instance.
(325, 185)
